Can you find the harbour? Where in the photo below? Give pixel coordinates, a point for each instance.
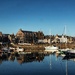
(24, 49)
(37, 63)
(37, 37)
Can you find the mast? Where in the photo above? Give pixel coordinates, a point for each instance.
(65, 31)
(65, 37)
(50, 35)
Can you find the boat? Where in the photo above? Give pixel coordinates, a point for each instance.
(70, 53)
(66, 48)
(51, 48)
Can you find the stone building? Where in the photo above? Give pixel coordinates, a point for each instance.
(0, 37)
(11, 38)
(0, 34)
(29, 36)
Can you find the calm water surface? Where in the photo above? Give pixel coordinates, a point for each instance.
(36, 64)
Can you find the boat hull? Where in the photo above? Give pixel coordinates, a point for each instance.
(70, 53)
(52, 49)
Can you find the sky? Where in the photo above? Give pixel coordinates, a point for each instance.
(38, 15)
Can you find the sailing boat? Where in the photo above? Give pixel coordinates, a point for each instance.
(69, 52)
(51, 48)
(64, 36)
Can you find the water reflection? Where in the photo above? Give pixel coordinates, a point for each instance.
(34, 56)
(72, 58)
(23, 58)
(36, 64)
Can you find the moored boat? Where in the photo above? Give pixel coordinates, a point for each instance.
(70, 53)
(51, 48)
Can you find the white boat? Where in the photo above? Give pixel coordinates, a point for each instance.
(64, 50)
(51, 48)
(72, 51)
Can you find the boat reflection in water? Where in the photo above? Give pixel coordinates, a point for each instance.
(67, 57)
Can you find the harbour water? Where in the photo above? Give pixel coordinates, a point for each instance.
(36, 64)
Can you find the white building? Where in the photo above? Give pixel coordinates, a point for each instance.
(63, 39)
(44, 41)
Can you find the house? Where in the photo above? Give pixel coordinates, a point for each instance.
(24, 36)
(5, 39)
(0, 34)
(63, 39)
(0, 37)
(11, 38)
(47, 39)
(29, 36)
(60, 39)
(69, 39)
(56, 39)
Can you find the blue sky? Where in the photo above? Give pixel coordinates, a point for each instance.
(35, 15)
